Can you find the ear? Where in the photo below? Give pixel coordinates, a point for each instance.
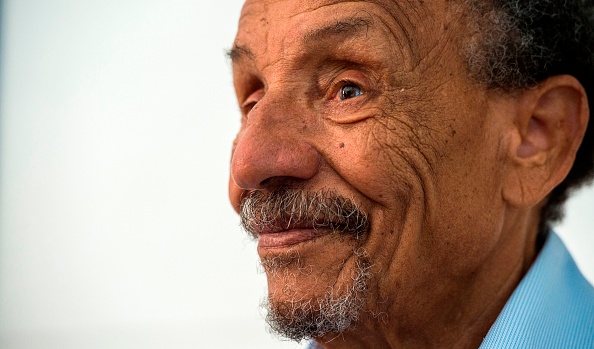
(549, 124)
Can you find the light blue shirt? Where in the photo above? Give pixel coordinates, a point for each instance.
(552, 307)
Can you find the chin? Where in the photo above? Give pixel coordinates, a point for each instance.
(310, 301)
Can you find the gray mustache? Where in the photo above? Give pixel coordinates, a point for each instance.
(264, 211)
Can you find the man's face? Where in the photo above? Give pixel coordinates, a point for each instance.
(367, 163)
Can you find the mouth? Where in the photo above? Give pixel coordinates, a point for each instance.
(286, 217)
(290, 237)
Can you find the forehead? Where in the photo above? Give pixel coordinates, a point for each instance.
(283, 24)
(288, 9)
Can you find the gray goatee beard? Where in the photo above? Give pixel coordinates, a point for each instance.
(339, 309)
(336, 312)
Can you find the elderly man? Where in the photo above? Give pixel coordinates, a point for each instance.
(400, 163)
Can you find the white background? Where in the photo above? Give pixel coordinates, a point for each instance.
(115, 232)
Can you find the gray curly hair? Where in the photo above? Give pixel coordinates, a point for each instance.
(521, 43)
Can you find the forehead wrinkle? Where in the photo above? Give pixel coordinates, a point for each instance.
(341, 28)
(325, 3)
(403, 14)
(404, 17)
(405, 24)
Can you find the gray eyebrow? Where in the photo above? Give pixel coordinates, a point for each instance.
(339, 29)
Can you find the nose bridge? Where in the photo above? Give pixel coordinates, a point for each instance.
(281, 104)
(274, 142)
(276, 119)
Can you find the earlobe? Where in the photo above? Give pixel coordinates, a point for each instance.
(550, 123)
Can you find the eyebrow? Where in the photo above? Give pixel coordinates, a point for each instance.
(237, 52)
(337, 30)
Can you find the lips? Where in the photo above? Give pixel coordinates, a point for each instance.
(290, 237)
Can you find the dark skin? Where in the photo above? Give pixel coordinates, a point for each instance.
(373, 100)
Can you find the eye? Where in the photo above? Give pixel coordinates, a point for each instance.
(349, 90)
(248, 106)
(251, 101)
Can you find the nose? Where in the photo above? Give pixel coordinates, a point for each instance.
(260, 157)
(270, 149)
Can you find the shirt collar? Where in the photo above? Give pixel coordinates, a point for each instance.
(552, 307)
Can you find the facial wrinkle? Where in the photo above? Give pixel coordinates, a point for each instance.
(324, 4)
(406, 27)
(340, 28)
(411, 153)
(415, 138)
(404, 36)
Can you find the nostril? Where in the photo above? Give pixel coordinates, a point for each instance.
(282, 181)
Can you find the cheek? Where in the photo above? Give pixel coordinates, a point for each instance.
(376, 159)
(464, 208)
